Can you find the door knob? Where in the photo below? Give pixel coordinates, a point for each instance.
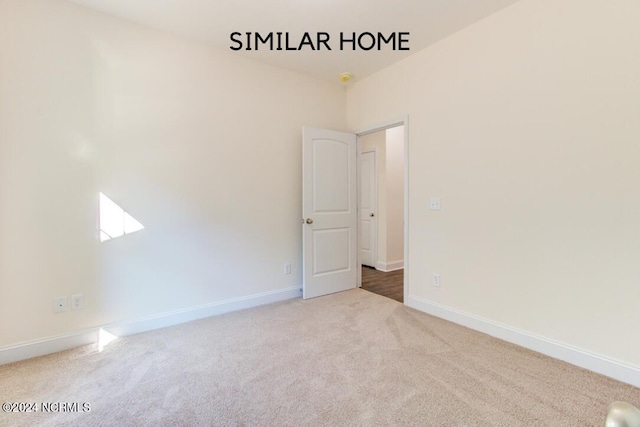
(309, 221)
(372, 214)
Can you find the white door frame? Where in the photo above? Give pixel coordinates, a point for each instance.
(401, 121)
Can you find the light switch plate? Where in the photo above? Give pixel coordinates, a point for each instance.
(436, 280)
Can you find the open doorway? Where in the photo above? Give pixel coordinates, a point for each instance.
(381, 167)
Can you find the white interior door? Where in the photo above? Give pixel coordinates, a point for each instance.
(368, 205)
(329, 209)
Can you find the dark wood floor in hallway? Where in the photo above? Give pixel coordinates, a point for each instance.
(389, 284)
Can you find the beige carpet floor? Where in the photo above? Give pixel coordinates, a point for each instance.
(350, 359)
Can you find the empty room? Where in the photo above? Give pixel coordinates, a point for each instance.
(194, 195)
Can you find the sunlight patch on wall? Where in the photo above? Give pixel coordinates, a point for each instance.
(114, 221)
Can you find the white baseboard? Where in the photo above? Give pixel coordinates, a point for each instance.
(176, 317)
(54, 344)
(390, 266)
(603, 365)
(35, 348)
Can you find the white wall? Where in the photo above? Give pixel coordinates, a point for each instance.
(526, 125)
(199, 145)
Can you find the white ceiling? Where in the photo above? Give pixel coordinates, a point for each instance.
(212, 22)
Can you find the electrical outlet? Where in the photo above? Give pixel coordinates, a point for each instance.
(436, 280)
(287, 268)
(435, 204)
(60, 304)
(77, 301)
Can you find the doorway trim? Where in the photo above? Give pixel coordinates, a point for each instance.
(400, 121)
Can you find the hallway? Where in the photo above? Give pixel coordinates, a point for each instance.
(389, 284)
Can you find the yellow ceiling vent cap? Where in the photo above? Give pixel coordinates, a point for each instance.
(345, 77)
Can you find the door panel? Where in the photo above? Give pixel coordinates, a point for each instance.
(330, 176)
(368, 206)
(329, 208)
(331, 249)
